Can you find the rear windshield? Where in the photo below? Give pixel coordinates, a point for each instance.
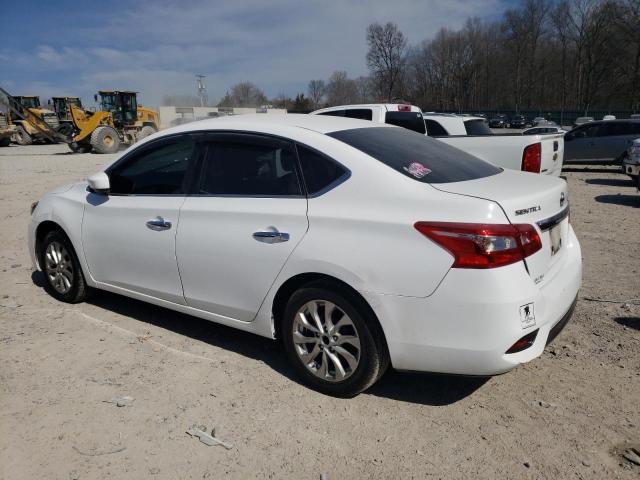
(409, 120)
(417, 156)
(477, 127)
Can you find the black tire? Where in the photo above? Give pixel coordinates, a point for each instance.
(373, 354)
(5, 142)
(105, 140)
(79, 147)
(146, 131)
(78, 289)
(22, 137)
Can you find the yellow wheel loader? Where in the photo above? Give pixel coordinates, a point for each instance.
(119, 120)
(27, 130)
(61, 105)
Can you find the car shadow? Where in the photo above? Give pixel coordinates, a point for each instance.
(419, 388)
(625, 200)
(590, 169)
(611, 182)
(629, 322)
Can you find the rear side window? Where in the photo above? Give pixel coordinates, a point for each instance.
(320, 173)
(249, 167)
(434, 129)
(360, 113)
(155, 171)
(477, 127)
(409, 120)
(416, 156)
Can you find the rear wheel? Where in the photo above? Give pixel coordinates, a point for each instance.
(64, 279)
(105, 140)
(333, 341)
(146, 131)
(5, 142)
(22, 137)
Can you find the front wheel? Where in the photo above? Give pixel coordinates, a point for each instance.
(105, 140)
(333, 341)
(64, 279)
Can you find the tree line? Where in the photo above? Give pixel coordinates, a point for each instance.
(567, 55)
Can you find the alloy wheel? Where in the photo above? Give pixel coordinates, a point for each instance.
(326, 340)
(59, 267)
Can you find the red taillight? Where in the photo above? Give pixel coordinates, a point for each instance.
(532, 158)
(404, 108)
(479, 245)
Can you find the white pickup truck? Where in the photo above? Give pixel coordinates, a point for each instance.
(532, 153)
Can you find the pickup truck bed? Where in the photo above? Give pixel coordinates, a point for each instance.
(502, 150)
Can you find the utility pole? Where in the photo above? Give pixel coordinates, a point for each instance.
(201, 88)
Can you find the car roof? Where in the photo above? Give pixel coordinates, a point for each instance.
(316, 123)
(390, 107)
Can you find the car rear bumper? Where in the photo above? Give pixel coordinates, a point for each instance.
(467, 325)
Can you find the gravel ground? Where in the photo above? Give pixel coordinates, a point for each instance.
(569, 414)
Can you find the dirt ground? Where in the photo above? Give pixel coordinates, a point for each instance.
(568, 414)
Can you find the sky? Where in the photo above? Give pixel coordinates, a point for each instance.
(75, 48)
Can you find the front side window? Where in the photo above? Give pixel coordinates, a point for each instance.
(617, 128)
(320, 173)
(155, 171)
(249, 166)
(434, 129)
(477, 127)
(416, 156)
(334, 113)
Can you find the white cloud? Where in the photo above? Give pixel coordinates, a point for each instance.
(156, 47)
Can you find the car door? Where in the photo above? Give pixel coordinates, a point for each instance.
(616, 137)
(128, 236)
(580, 143)
(245, 217)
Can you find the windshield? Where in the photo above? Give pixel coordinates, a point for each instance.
(410, 120)
(416, 156)
(30, 102)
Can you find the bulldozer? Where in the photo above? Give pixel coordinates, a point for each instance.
(26, 131)
(119, 120)
(61, 105)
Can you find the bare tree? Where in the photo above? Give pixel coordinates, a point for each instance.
(341, 89)
(244, 94)
(316, 91)
(364, 89)
(385, 58)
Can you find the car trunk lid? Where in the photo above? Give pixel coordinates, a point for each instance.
(533, 199)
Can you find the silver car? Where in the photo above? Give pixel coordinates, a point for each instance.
(600, 142)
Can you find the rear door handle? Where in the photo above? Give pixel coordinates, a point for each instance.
(158, 224)
(270, 236)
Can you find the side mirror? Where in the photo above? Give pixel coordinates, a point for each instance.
(99, 183)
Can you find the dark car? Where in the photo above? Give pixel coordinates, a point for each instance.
(499, 121)
(519, 121)
(605, 141)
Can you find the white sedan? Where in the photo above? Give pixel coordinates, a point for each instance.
(359, 245)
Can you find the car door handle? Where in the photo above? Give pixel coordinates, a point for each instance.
(158, 224)
(271, 236)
